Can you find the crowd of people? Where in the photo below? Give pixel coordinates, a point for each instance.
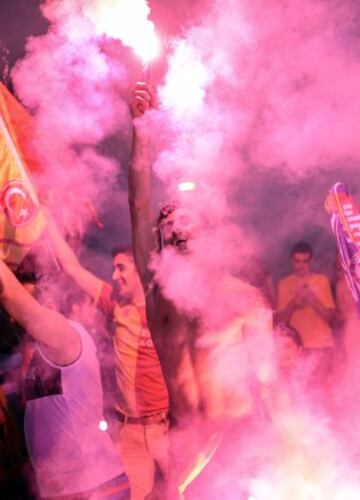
(124, 398)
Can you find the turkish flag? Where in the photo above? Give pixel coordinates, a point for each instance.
(21, 220)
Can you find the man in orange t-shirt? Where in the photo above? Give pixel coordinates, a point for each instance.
(305, 301)
(142, 403)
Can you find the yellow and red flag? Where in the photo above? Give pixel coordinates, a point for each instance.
(21, 220)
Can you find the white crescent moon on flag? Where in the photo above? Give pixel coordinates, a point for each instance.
(13, 192)
(23, 211)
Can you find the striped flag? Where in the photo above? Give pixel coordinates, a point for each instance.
(345, 223)
(21, 220)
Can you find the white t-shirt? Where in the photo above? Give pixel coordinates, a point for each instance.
(68, 450)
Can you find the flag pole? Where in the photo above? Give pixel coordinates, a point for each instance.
(25, 177)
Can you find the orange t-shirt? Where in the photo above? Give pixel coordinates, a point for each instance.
(315, 332)
(138, 371)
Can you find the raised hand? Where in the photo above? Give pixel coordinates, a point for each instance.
(143, 99)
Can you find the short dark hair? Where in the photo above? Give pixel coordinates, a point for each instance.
(127, 250)
(166, 209)
(285, 330)
(302, 247)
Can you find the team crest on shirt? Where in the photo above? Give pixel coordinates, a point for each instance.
(129, 317)
(145, 338)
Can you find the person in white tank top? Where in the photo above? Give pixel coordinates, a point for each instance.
(71, 454)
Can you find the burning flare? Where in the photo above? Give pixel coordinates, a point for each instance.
(128, 21)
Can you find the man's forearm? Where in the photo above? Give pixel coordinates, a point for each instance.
(285, 314)
(140, 172)
(86, 280)
(45, 325)
(22, 307)
(64, 253)
(326, 313)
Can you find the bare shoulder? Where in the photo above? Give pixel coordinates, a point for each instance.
(242, 293)
(321, 277)
(287, 280)
(66, 344)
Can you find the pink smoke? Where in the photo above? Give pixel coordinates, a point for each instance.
(74, 84)
(250, 83)
(255, 84)
(273, 86)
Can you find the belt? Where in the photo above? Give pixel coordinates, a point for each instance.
(145, 420)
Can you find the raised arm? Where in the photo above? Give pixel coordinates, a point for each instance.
(142, 218)
(90, 283)
(60, 341)
(284, 315)
(286, 304)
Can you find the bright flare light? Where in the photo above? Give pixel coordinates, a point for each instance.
(103, 425)
(187, 186)
(128, 21)
(188, 76)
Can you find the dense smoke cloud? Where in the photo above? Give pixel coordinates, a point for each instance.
(73, 82)
(267, 89)
(259, 93)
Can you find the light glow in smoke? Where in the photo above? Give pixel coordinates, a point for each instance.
(103, 425)
(187, 186)
(184, 91)
(128, 21)
(298, 488)
(350, 492)
(81, 73)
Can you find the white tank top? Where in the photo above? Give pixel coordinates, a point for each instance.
(69, 451)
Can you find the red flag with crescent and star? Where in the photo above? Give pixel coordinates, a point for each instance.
(22, 222)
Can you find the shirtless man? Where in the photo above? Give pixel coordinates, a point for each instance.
(168, 326)
(189, 358)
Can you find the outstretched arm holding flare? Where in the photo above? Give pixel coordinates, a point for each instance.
(59, 340)
(140, 173)
(172, 339)
(172, 332)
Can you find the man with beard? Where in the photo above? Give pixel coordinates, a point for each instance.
(141, 406)
(206, 362)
